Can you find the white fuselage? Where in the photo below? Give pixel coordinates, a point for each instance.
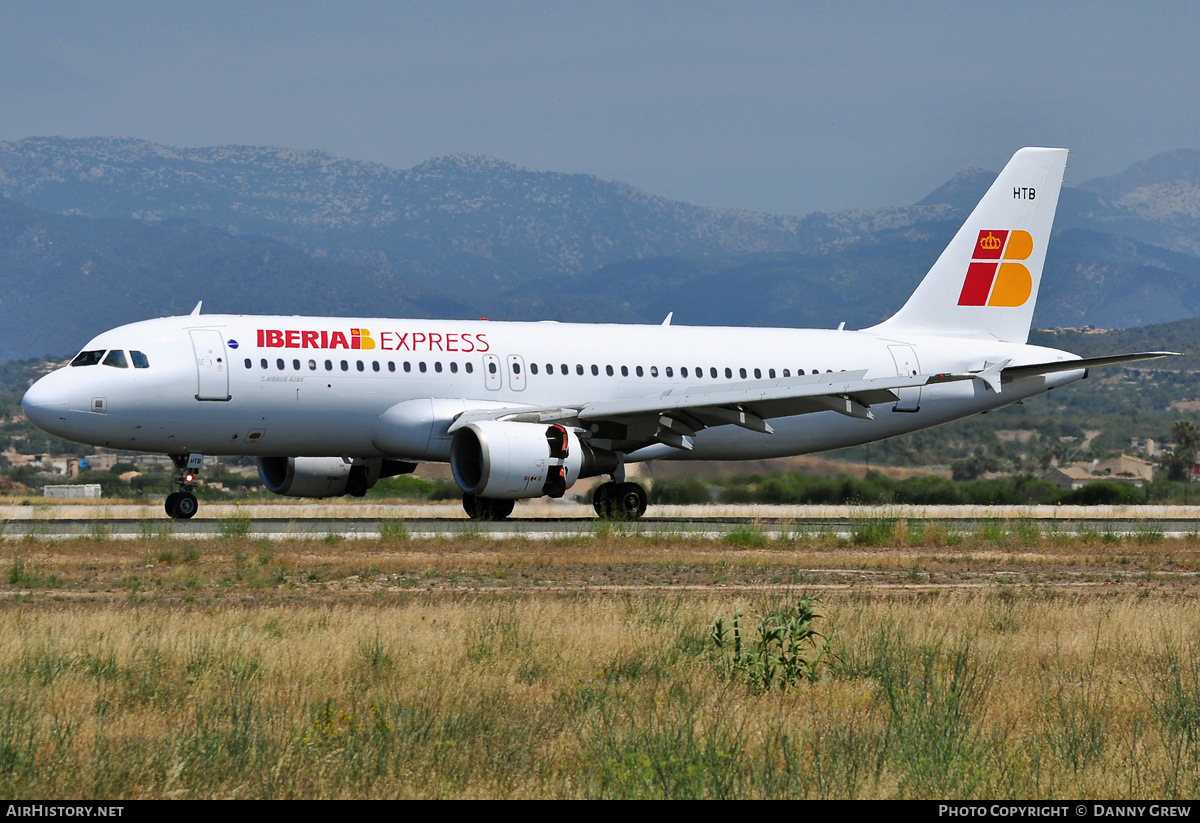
(297, 386)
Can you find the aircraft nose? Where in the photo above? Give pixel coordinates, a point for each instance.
(45, 404)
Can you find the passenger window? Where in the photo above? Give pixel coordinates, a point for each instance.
(140, 361)
(296, 365)
(595, 370)
(639, 371)
(391, 365)
(116, 359)
(608, 370)
(515, 366)
(712, 371)
(579, 368)
(532, 368)
(683, 372)
(263, 363)
(771, 373)
(670, 372)
(374, 365)
(565, 370)
(407, 366)
(470, 367)
(437, 367)
(359, 365)
(328, 365)
(654, 371)
(742, 373)
(279, 364)
(728, 372)
(758, 374)
(491, 368)
(312, 365)
(249, 363)
(624, 371)
(421, 366)
(787, 373)
(345, 366)
(88, 358)
(454, 367)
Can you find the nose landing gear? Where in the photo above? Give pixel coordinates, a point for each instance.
(182, 505)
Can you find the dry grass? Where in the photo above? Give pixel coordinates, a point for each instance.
(583, 668)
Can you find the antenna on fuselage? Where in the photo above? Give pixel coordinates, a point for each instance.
(197, 309)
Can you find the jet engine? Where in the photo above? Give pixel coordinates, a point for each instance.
(326, 476)
(514, 461)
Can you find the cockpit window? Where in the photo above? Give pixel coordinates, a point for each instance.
(88, 358)
(140, 361)
(116, 359)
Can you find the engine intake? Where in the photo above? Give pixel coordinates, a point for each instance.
(515, 461)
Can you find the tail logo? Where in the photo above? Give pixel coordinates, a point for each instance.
(993, 276)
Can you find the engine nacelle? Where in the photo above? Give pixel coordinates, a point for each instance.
(515, 461)
(326, 476)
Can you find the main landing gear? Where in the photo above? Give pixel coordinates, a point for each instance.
(619, 501)
(487, 508)
(182, 505)
(612, 501)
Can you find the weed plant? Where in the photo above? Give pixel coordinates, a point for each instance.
(234, 525)
(785, 648)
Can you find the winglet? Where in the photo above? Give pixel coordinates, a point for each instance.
(196, 310)
(667, 321)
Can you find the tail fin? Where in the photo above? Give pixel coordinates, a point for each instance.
(985, 283)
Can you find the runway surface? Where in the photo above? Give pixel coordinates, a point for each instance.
(561, 520)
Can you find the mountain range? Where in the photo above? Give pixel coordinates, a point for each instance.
(96, 232)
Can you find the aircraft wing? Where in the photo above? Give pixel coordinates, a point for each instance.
(677, 414)
(1084, 363)
(674, 416)
(995, 375)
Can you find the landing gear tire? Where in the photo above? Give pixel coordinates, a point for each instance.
(486, 508)
(602, 500)
(181, 505)
(619, 501)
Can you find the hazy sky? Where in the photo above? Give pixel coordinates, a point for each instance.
(780, 107)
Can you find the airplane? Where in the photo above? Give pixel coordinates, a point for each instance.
(521, 410)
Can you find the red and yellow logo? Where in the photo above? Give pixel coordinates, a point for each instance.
(991, 279)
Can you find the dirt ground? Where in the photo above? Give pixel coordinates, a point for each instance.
(330, 570)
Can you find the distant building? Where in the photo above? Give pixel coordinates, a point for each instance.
(1121, 469)
(101, 462)
(1068, 477)
(1146, 446)
(1127, 469)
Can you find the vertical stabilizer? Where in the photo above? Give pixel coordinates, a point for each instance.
(985, 283)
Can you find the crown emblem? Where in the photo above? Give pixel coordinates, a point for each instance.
(991, 242)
